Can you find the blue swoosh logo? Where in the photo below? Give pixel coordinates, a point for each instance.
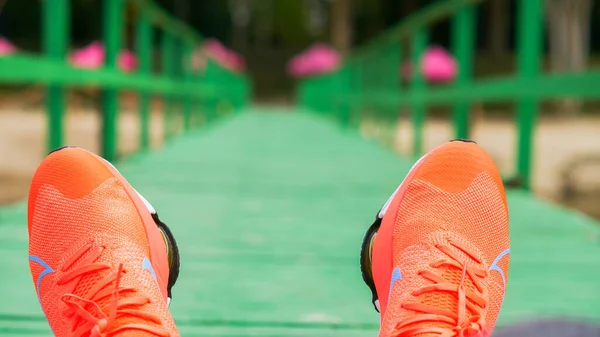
(148, 266)
(47, 270)
(396, 276)
(498, 269)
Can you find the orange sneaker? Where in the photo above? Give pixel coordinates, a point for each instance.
(98, 259)
(436, 258)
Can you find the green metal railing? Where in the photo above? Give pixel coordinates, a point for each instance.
(177, 84)
(369, 78)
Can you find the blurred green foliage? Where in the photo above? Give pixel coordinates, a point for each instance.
(20, 21)
(289, 25)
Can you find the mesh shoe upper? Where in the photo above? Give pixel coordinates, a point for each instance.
(92, 247)
(441, 255)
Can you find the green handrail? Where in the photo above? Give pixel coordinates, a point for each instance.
(374, 82)
(176, 84)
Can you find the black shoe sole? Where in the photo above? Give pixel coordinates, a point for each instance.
(365, 260)
(174, 261)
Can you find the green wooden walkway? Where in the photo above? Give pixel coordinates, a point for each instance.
(269, 210)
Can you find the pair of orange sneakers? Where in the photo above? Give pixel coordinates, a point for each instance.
(436, 257)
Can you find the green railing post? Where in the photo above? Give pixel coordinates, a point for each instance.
(178, 76)
(56, 32)
(167, 66)
(418, 85)
(379, 70)
(210, 75)
(527, 87)
(463, 28)
(356, 95)
(392, 63)
(530, 39)
(336, 86)
(112, 27)
(54, 70)
(367, 84)
(200, 116)
(342, 94)
(197, 99)
(144, 50)
(187, 71)
(392, 85)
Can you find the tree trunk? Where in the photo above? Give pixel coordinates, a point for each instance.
(569, 32)
(558, 34)
(182, 10)
(409, 6)
(341, 20)
(240, 17)
(263, 25)
(316, 19)
(2, 2)
(498, 34)
(580, 33)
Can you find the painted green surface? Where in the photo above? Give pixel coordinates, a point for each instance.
(269, 210)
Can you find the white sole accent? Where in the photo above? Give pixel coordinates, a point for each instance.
(389, 201)
(146, 202)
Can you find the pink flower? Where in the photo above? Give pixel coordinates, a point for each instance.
(93, 57)
(90, 57)
(438, 65)
(6, 47)
(127, 61)
(224, 56)
(318, 59)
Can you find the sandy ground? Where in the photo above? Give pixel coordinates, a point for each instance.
(567, 153)
(558, 144)
(23, 137)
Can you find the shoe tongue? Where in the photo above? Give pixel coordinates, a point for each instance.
(86, 284)
(83, 288)
(445, 300)
(91, 280)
